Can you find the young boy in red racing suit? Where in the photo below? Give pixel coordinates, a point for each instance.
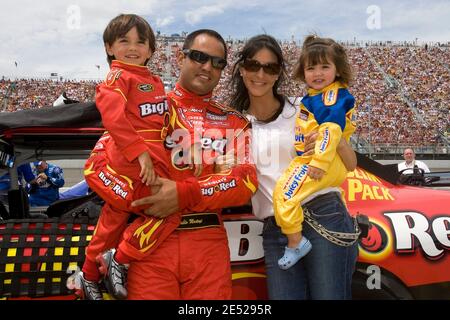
(124, 161)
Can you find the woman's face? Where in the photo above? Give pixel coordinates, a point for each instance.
(258, 75)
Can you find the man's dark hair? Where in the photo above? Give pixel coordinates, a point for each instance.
(191, 37)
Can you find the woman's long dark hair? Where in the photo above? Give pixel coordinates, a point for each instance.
(240, 99)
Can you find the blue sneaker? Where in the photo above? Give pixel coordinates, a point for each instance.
(293, 255)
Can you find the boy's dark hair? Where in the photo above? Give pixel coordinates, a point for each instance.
(318, 50)
(191, 37)
(240, 99)
(119, 27)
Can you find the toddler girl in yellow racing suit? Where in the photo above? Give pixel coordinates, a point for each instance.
(328, 109)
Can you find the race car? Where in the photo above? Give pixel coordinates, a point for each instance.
(403, 255)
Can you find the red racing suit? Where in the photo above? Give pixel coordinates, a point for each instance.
(194, 261)
(135, 113)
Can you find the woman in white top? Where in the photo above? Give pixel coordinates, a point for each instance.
(257, 76)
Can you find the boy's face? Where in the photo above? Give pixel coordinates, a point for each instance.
(130, 48)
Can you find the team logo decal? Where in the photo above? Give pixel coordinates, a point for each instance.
(223, 186)
(330, 97)
(378, 244)
(295, 181)
(414, 231)
(158, 108)
(325, 141)
(145, 87)
(216, 117)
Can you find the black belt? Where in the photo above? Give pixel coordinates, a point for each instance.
(199, 221)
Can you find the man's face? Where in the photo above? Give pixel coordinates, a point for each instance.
(42, 166)
(200, 78)
(408, 155)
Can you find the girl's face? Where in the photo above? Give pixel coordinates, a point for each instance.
(320, 75)
(260, 72)
(130, 48)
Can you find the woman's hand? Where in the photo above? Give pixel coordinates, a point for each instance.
(315, 173)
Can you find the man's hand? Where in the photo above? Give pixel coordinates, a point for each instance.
(41, 178)
(310, 142)
(164, 202)
(147, 173)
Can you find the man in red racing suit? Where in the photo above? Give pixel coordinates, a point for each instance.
(201, 237)
(194, 260)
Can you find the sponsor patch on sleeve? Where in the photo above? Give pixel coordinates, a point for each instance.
(112, 76)
(145, 87)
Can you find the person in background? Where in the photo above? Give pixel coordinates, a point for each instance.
(407, 166)
(24, 172)
(78, 190)
(49, 178)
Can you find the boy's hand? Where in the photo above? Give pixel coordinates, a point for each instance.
(315, 173)
(147, 173)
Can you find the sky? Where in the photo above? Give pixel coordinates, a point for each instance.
(65, 37)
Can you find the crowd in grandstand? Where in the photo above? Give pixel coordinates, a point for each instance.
(25, 94)
(402, 92)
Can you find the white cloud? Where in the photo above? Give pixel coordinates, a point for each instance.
(162, 22)
(195, 16)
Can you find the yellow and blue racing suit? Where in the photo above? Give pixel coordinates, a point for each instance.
(330, 112)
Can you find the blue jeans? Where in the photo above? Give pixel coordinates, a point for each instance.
(326, 271)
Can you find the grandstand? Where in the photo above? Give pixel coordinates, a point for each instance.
(402, 92)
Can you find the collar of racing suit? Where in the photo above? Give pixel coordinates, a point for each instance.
(334, 85)
(190, 98)
(134, 68)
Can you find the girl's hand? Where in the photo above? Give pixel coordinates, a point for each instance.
(315, 173)
(147, 173)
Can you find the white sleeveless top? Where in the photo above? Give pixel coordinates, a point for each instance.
(273, 150)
